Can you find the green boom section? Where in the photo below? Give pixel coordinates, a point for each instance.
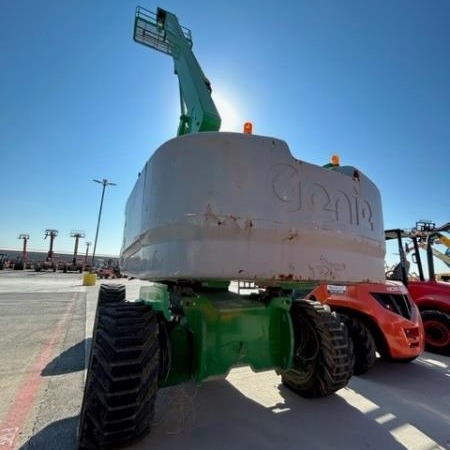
(216, 334)
(163, 32)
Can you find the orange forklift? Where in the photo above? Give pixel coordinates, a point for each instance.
(380, 317)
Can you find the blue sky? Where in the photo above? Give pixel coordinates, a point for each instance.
(79, 100)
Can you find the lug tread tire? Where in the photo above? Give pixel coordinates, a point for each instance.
(329, 365)
(122, 378)
(111, 293)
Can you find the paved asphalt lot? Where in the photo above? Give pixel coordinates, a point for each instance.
(46, 321)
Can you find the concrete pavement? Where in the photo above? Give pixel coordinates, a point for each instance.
(46, 320)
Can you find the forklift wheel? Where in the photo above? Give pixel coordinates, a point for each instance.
(436, 325)
(363, 344)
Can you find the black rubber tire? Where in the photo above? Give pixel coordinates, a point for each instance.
(437, 331)
(122, 378)
(364, 347)
(323, 360)
(111, 293)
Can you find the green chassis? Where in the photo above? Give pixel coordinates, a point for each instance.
(217, 329)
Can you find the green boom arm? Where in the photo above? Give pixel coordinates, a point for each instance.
(164, 33)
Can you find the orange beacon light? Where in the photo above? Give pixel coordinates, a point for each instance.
(335, 160)
(248, 128)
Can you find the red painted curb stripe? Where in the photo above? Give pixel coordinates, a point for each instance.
(27, 393)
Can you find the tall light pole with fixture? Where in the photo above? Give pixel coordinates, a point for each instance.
(88, 244)
(104, 183)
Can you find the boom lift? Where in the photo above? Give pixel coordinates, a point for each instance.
(49, 263)
(432, 297)
(76, 264)
(23, 261)
(210, 207)
(444, 240)
(444, 257)
(164, 33)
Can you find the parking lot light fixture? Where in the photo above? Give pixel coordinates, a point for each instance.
(104, 182)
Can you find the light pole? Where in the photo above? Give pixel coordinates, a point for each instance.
(104, 183)
(88, 244)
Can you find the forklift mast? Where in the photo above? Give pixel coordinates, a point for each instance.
(163, 32)
(428, 234)
(424, 235)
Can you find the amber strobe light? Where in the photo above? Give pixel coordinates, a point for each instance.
(335, 160)
(248, 128)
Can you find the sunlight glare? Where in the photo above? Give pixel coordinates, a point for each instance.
(231, 120)
(434, 362)
(405, 433)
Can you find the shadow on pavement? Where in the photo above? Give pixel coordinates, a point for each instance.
(220, 415)
(416, 393)
(216, 415)
(59, 435)
(71, 360)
